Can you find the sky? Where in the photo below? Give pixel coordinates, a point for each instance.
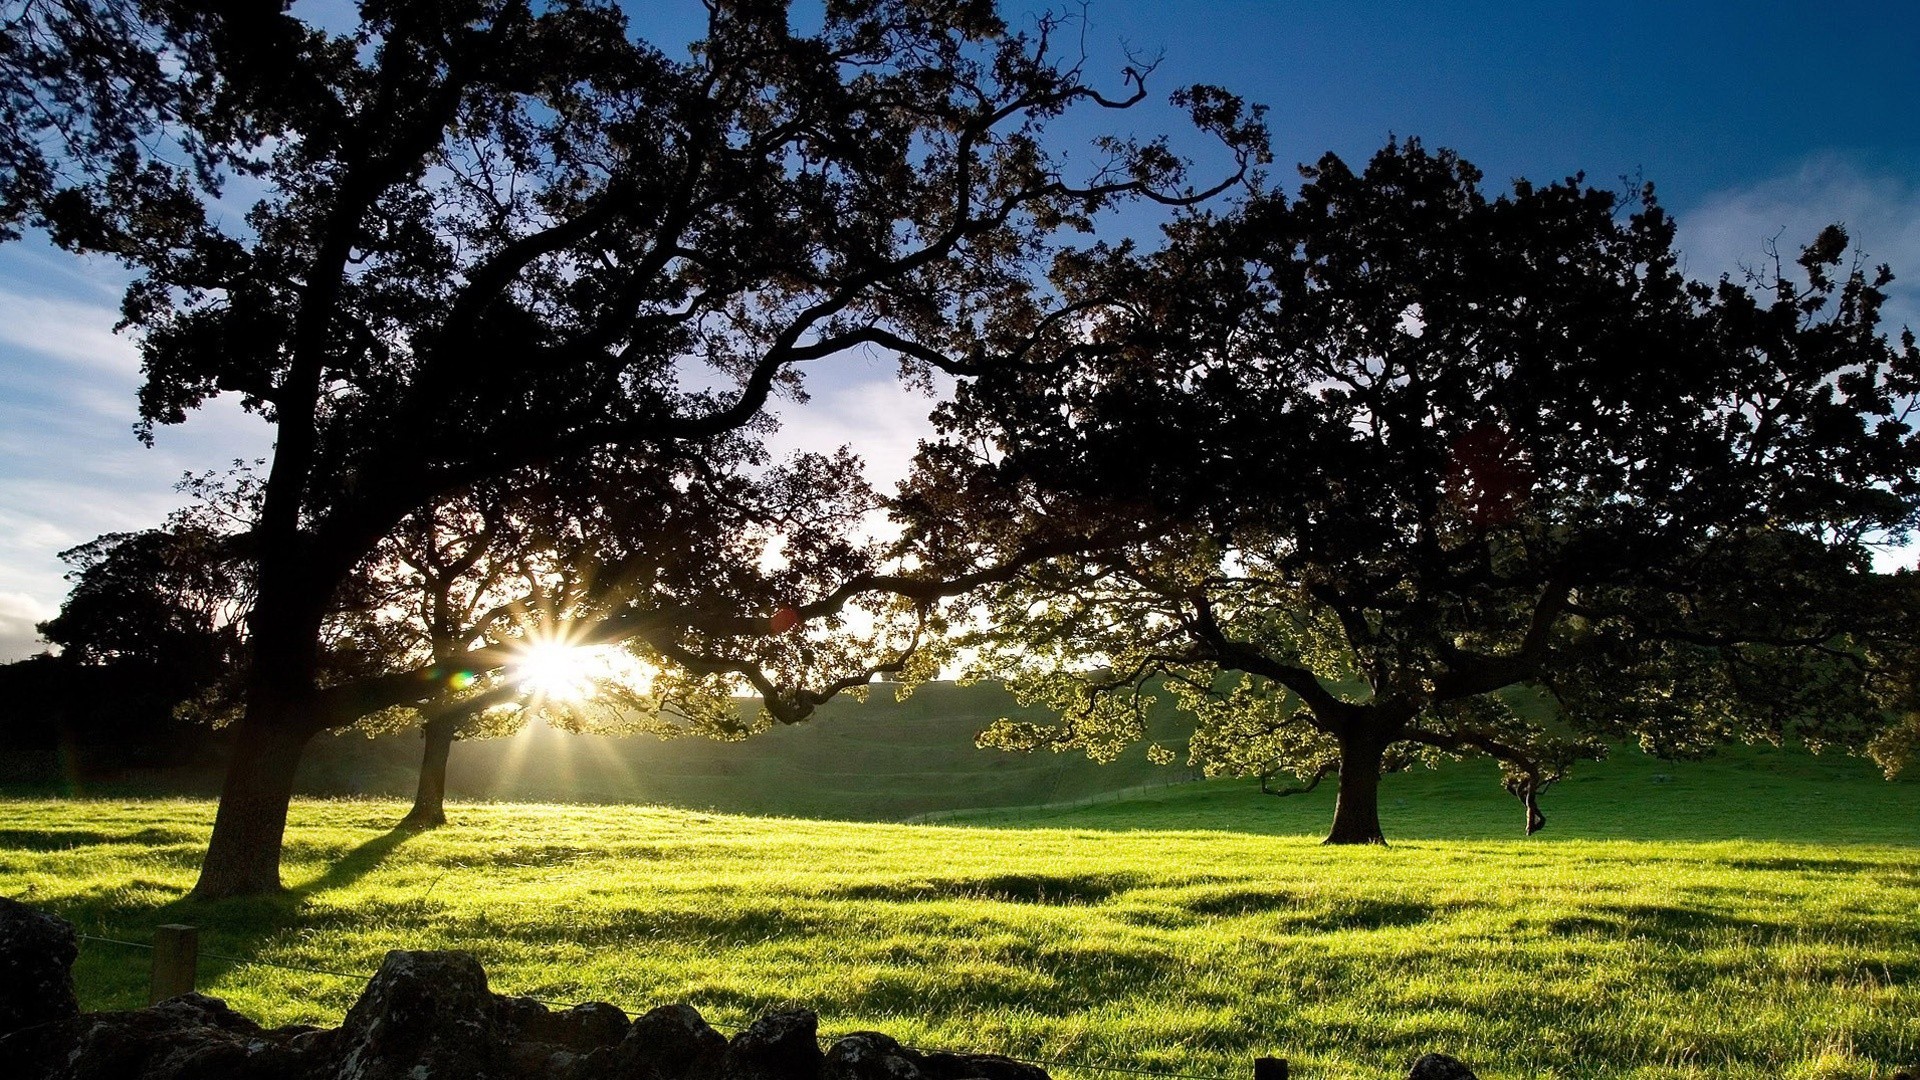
(1757, 122)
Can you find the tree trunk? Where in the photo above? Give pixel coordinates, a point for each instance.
(430, 796)
(243, 856)
(1356, 811)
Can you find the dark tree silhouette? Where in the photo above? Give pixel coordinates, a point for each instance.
(1413, 471)
(147, 628)
(556, 559)
(492, 235)
(170, 597)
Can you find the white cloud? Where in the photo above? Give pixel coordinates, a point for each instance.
(881, 419)
(70, 468)
(18, 614)
(1730, 230)
(76, 333)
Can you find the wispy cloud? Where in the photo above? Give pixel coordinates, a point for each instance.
(77, 333)
(881, 419)
(1729, 231)
(72, 468)
(18, 613)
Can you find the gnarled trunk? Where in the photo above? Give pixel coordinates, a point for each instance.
(430, 795)
(282, 716)
(243, 855)
(1356, 810)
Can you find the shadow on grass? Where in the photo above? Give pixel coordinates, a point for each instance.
(1055, 889)
(358, 863)
(63, 839)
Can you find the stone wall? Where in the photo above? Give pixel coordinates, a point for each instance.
(429, 1015)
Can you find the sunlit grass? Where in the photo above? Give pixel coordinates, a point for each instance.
(1193, 951)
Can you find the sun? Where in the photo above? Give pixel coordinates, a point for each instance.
(558, 671)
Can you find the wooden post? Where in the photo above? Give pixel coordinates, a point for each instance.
(176, 955)
(1269, 1069)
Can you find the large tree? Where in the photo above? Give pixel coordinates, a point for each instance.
(552, 561)
(1412, 470)
(470, 237)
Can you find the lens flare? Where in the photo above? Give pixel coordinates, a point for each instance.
(558, 671)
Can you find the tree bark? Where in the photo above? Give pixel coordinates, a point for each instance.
(1356, 811)
(243, 855)
(430, 795)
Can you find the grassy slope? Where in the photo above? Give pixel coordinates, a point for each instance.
(1191, 929)
(1757, 793)
(884, 760)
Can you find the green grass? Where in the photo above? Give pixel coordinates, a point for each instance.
(883, 760)
(1742, 793)
(1190, 930)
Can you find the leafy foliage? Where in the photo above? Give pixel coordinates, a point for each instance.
(491, 240)
(1397, 470)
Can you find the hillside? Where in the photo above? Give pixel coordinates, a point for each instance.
(1740, 793)
(887, 760)
(883, 760)
(1101, 943)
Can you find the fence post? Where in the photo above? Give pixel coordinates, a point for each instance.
(176, 954)
(1269, 1068)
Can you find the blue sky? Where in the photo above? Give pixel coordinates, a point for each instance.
(1754, 120)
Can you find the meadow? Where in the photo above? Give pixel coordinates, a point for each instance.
(1753, 916)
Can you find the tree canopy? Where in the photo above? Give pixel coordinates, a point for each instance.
(1397, 469)
(472, 240)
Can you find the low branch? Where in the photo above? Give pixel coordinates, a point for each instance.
(1318, 775)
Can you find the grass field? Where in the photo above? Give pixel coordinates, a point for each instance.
(882, 760)
(1190, 930)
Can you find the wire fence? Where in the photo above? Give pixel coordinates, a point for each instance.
(825, 1040)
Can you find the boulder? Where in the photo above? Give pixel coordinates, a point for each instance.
(778, 1046)
(672, 1042)
(581, 1029)
(423, 1014)
(869, 1055)
(543, 1043)
(946, 1065)
(36, 968)
(190, 1037)
(1440, 1067)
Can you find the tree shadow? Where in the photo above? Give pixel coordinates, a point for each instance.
(348, 869)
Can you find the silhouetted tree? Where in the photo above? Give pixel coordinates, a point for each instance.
(1412, 472)
(491, 235)
(148, 626)
(552, 558)
(171, 597)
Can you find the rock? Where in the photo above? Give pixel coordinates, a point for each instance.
(869, 1055)
(423, 1014)
(1440, 1067)
(944, 1065)
(672, 1042)
(190, 1037)
(778, 1046)
(36, 968)
(543, 1043)
(581, 1029)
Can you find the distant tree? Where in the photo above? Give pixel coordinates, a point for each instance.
(1412, 472)
(171, 597)
(492, 235)
(148, 627)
